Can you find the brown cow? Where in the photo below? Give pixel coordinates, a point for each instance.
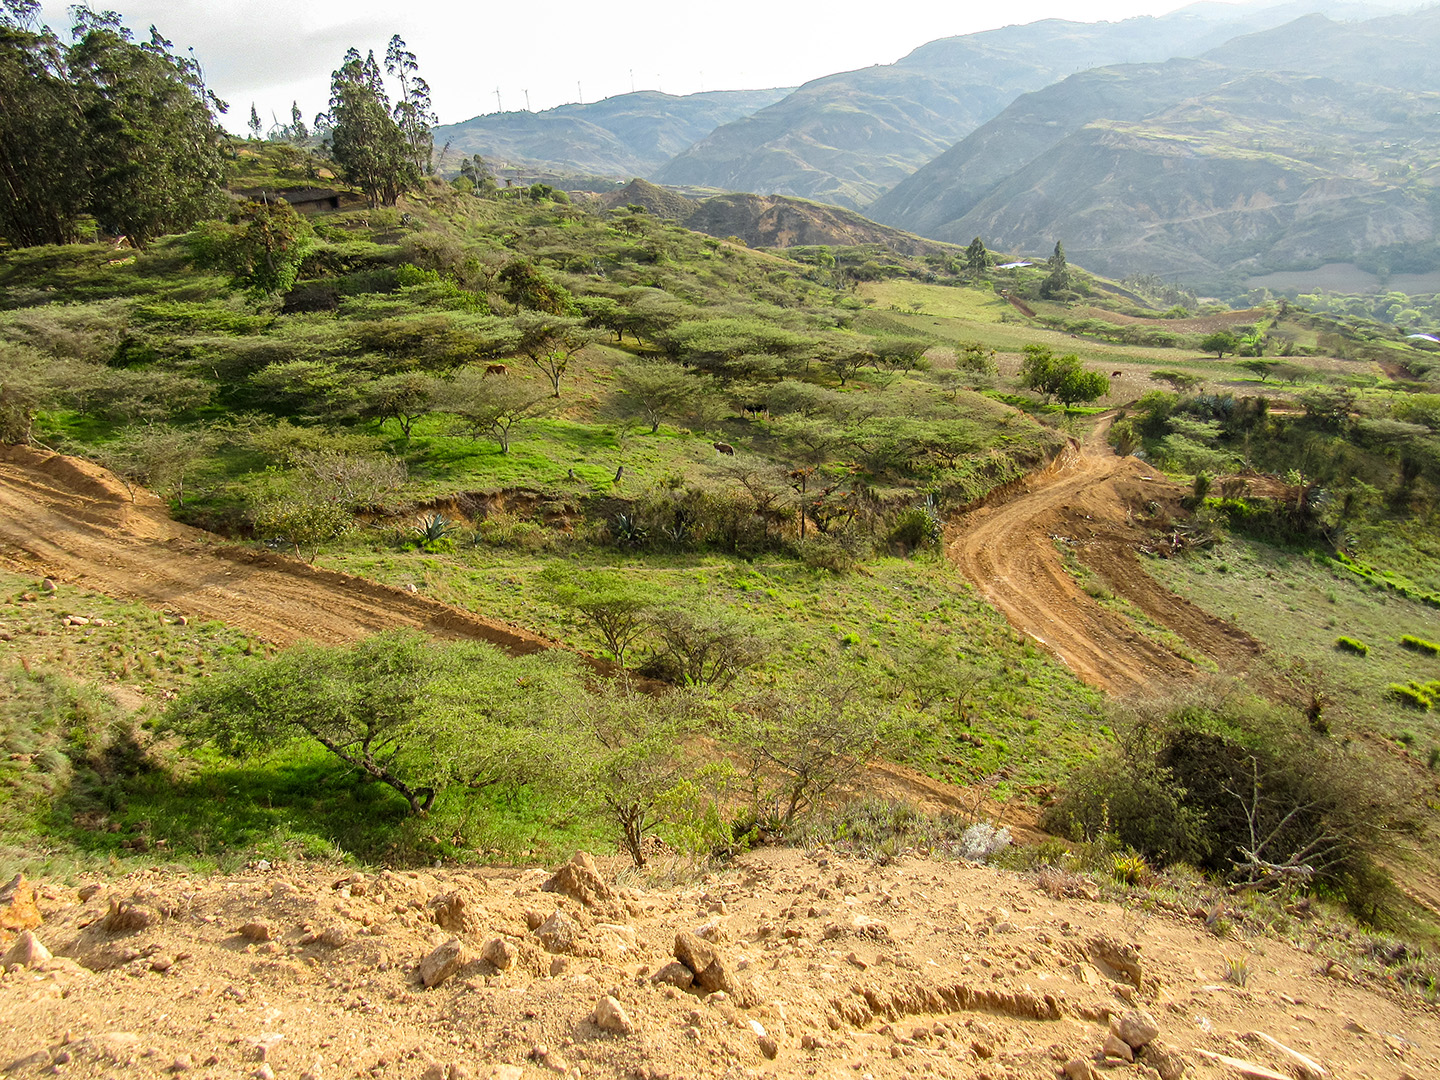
(725, 448)
(1116, 374)
(496, 369)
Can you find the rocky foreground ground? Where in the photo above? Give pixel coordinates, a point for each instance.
(788, 964)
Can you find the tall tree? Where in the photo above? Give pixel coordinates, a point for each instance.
(153, 144)
(413, 112)
(255, 125)
(977, 259)
(1058, 280)
(365, 140)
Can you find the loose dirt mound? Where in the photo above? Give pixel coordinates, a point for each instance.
(70, 520)
(1008, 551)
(830, 967)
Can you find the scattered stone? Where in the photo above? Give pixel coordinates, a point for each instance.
(769, 1047)
(17, 907)
(580, 878)
(87, 891)
(1137, 1027)
(855, 961)
(674, 974)
(610, 1015)
(335, 936)
(1122, 959)
(558, 966)
(260, 930)
(712, 974)
(1080, 1069)
(264, 1072)
(534, 919)
(1116, 1047)
(182, 1063)
(695, 954)
(1308, 1068)
(128, 917)
(1244, 1068)
(48, 586)
(559, 933)
(1168, 1062)
(500, 954)
(865, 926)
(811, 1041)
(442, 962)
(161, 964)
(434, 1071)
(26, 952)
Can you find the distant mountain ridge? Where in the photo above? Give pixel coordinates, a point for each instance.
(1210, 169)
(624, 136)
(848, 138)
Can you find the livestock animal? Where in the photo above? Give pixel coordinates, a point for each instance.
(1116, 374)
(496, 369)
(725, 448)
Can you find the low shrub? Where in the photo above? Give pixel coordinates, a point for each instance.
(1411, 696)
(1349, 644)
(1419, 645)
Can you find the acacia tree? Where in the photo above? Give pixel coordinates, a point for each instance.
(491, 405)
(550, 342)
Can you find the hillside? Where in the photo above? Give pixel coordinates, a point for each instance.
(622, 136)
(848, 138)
(1194, 169)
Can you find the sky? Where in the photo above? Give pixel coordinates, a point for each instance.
(551, 52)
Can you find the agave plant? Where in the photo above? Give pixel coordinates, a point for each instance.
(628, 531)
(434, 527)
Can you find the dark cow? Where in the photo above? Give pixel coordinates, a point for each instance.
(725, 448)
(496, 369)
(1116, 374)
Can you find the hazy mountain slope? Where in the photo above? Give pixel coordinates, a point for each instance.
(1250, 172)
(849, 137)
(625, 136)
(782, 221)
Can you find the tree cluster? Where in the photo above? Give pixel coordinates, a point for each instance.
(119, 131)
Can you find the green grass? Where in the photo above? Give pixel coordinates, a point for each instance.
(1031, 717)
(1297, 605)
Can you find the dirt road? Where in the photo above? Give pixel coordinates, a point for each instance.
(1008, 551)
(69, 520)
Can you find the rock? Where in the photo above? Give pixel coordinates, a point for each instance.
(48, 586)
(559, 933)
(1308, 1068)
(1080, 1069)
(442, 962)
(1116, 1047)
(17, 907)
(434, 1071)
(26, 952)
(264, 1072)
(674, 974)
(768, 1046)
(865, 926)
(449, 912)
(1122, 959)
(810, 1041)
(580, 878)
(87, 891)
(712, 974)
(260, 930)
(335, 936)
(128, 917)
(558, 966)
(1168, 1062)
(500, 954)
(1137, 1027)
(1244, 1068)
(533, 919)
(610, 1015)
(182, 1063)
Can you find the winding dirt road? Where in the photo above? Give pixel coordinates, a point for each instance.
(1008, 551)
(64, 518)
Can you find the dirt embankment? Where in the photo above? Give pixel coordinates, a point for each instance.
(812, 964)
(1008, 551)
(67, 519)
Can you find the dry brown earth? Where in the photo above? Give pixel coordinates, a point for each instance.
(855, 970)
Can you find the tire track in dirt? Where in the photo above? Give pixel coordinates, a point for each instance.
(1008, 552)
(70, 520)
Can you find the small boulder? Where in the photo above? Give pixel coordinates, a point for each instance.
(335, 936)
(26, 952)
(712, 973)
(559, 933)
(257, 931)
(17, 907)
(769, 1047)
(580, 878)
(1080, 1069)
(1165, 1060)
(1136, 1027)
(128, 917)
(1116, 1047)
(500, 954)
(695, 954)
(442, 962)
(674, 974)
(610, 1015)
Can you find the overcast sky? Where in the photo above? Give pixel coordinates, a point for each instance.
(271, 52)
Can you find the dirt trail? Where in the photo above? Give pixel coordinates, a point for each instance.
(67, 519)
(1008, 551)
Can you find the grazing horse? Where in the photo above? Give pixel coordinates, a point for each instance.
(496, 369)
(725, 448)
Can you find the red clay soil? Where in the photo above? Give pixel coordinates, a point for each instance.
(1008, 551)
(70, 520)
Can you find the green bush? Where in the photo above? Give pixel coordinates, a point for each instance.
(1420, 645)
(1349, 644)
(1411, 696)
